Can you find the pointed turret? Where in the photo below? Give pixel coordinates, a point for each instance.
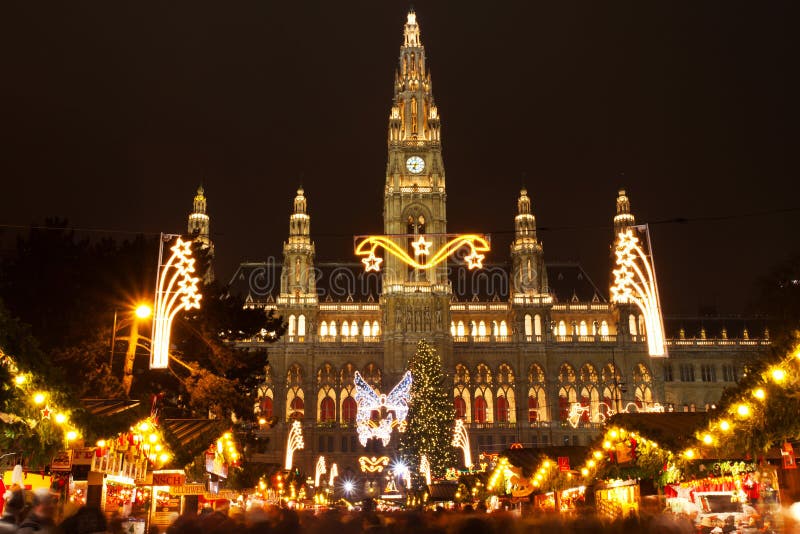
(624, 218)
(297, 276)
(529, 276)
(199, 228)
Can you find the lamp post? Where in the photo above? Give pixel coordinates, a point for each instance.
(141, 312)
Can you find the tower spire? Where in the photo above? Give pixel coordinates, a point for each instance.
(624, 218)
(529, 273)
(199, 228)
(297, 277)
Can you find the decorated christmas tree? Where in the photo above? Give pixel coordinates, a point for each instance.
(431, 416)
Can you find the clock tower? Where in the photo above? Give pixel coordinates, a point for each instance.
(416, 301)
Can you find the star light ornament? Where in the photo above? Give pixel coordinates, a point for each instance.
(372, 262)
(421, 246)
(293, 443)
(424, 257)
(635, 282)
(176, 290)
(394, 406)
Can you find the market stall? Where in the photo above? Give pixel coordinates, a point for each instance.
(617, 498)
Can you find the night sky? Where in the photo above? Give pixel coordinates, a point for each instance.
(114, 112)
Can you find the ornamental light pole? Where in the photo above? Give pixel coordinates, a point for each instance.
(176, 290)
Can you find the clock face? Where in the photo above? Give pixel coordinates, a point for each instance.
(415, 164)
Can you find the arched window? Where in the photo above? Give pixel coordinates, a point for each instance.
(266, 407)
(495, 329)
(528, 326)
(480, 409)
(566, 396)
(460, 329)
(332, 329)
(327, 410)
(632, 324)
(453, 328)
(376, 329)
(301, 325)
(323, 329)
(296, 408)
(366, 331)
(345, 329)
(533, 409)
(349, 409)
(537, 324)
(502, 409)
(503, 328)
(354, 329)
(474, 329)
(461, 407)
(292, 324)
(583, 329)
(562, 328)
(604, 328)
(641, 325)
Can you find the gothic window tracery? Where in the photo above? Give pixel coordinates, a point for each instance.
(372, 375)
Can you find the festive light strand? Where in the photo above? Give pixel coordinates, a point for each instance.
(395, 405)
(461, 440)
(368, 245)
(293, 443)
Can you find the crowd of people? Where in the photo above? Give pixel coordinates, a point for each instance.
(38, 516)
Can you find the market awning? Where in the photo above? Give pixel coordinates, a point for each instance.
(443, 491)
(187, 430)
(103, 407)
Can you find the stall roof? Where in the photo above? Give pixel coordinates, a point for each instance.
(528, 458)
(443, 491)
(674, 430)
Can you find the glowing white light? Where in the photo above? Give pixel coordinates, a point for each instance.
(349, 487)
(176, 291)
(320, 470)
(395, 405)
(461, 440)
(334, 472)
(635, 282)
(372, 262)
(425, 469)
(293, 443)
(400, 469)
(421, 246)
(576, 411)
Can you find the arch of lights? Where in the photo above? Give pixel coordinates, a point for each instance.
(423, 258)
(461, 440)
(176, 290)
(635, 282)
(578, 411)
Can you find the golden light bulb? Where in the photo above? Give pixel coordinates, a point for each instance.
(613, 434)
(591, 463)
(164, 457)
(707, 439)
(606, 444)
(101, 443)
(143, 311)
(598, 454)
(778, 375)
(71, 435)
(144, 426)
(760, 394)
(153, 438)
(39, 398)
(262, 421)
(546, 464)
(60, 418)
(158, 447)
(743, 410)
(20, 379)
(689, 453)
(724, 425)
(585, 472)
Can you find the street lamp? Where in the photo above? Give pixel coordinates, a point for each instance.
(138, 313)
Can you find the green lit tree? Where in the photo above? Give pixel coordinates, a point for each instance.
(431, 415)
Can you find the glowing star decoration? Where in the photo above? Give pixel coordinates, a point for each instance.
(334, 472)
(392, 409)
(367, 245)
(635, 282)
(293, 443)
(374, 464)
(461, 440)
(425, 469)
(474, 260)
(372, 262)
(176, 291)
(422, 246)
(320, 470)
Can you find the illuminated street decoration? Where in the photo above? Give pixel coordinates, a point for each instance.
(334, 472)
(293, 443)
(635, 282)
(577, 411)
(320, 470)
(425, 469)
(176, 291)
(394, 405)
(461, 440)
(368, 245)
(374, 464)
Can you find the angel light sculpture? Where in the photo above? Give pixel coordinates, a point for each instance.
(391, 409)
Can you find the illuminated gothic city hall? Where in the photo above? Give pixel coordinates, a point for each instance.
(538, 354)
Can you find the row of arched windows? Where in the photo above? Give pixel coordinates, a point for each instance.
(479, 328)
(349, 329)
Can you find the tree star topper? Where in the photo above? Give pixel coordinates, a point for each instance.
(392, 409)
(368, 245)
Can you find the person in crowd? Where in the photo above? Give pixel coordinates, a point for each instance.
(87, 520)
(41, 518)
(12, 510)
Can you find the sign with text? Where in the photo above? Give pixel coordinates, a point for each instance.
(170, 478)
(62, 461)
(563, 463)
